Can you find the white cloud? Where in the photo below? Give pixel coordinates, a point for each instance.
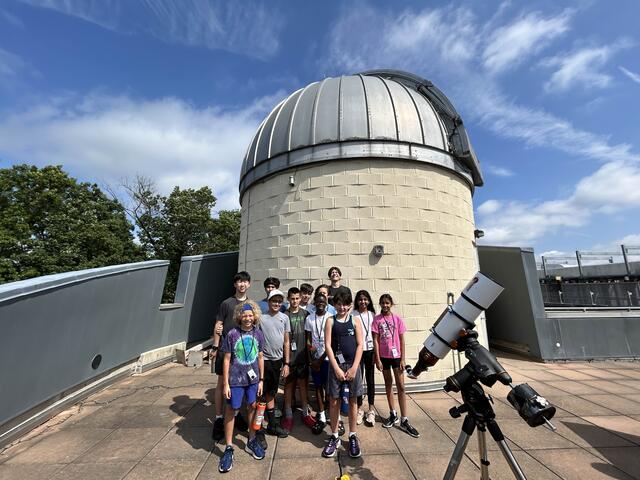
(249, 28)
(610, 189)
(582, 68)
(11, 19)
(11, 64)
(365, 37)
(499, 171)
(489, 207)
(632, 75)
(511, 44)
(106, 138)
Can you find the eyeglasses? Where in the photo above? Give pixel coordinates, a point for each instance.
(273, 300)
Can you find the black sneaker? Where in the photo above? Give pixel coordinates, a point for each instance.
(261, 438)
(391, 421)
(277, 431)
(240, 423)
(218, 430)
(318, 428)
(410, 429)
(340, 428)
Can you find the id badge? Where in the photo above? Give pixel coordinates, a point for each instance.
(369, 344)
(340, 357)
(294, 347)
(394, 352)
(251, 374)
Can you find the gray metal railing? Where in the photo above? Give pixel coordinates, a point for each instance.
(560, 265)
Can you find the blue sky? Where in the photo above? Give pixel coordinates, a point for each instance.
(174, 90)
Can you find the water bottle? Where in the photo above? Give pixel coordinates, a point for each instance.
(344, 406)
(259, 416)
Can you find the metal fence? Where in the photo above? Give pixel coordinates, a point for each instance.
(618, 294)
(623, 262)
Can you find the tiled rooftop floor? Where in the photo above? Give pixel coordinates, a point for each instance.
(158, 426)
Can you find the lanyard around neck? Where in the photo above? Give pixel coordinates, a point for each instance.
(366, 330)
(324, 320)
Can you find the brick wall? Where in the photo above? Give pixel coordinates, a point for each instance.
(334, 215)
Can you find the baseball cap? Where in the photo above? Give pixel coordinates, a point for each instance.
(274, 293)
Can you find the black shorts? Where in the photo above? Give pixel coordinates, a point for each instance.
(296, 372)
(272, 369)
(390, 363)
(219, 362)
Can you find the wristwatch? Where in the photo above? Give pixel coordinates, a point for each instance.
(214, 348)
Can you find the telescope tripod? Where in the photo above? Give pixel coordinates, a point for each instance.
(480, 415)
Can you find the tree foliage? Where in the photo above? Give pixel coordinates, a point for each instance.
(50, 223)
(180, 224)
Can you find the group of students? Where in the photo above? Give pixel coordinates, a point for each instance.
(316, 331)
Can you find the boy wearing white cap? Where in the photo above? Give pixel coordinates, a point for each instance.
(276, 328)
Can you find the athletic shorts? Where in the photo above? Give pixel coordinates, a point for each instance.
(390, 363)
(272, 369)
(300, 371)
(355, 385)
(250, 392)
(219, 362)
(320, 378)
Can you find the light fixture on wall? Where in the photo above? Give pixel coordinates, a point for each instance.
(292, 180)
(378, 250)
(478, 233)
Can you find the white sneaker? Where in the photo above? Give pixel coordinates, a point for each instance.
(370, 420)
(360, 417)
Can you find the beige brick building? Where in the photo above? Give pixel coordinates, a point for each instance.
(350, 163)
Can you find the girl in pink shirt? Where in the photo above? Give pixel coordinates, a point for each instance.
(388, 343)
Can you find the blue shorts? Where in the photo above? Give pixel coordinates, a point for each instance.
(320, 378)
(239, 393)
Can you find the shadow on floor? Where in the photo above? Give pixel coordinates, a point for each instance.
(615, 467)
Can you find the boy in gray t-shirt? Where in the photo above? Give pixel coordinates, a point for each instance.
(276, 328)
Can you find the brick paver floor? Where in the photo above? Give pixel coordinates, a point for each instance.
(158, 426)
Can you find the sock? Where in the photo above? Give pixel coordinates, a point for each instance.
(335, 434)
(352, 434)
(393, 412)
(236, 414)
(288, 412)
(270, 415)
(218, 416)
(323, 417)
(404, 419)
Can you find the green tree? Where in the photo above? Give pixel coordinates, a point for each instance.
(181, 224)
(51, 223)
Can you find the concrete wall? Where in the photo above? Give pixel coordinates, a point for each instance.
(204, 282)
(511, 320)
(53, 327)
(336, 212)
(518, 320)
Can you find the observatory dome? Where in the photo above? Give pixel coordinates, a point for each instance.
(376, 114)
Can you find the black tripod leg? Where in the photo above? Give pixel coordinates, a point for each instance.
(497, 435)
(468, 427)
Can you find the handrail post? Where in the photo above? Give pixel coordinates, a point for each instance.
(579, 263)
(626, 259)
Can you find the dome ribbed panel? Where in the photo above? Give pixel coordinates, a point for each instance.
(264, 140)
(251, 152)
(302, 120)
(327, 115)
(407, 117)
(353, 109)
(381, 113)
(280, 131)
(432, 128)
